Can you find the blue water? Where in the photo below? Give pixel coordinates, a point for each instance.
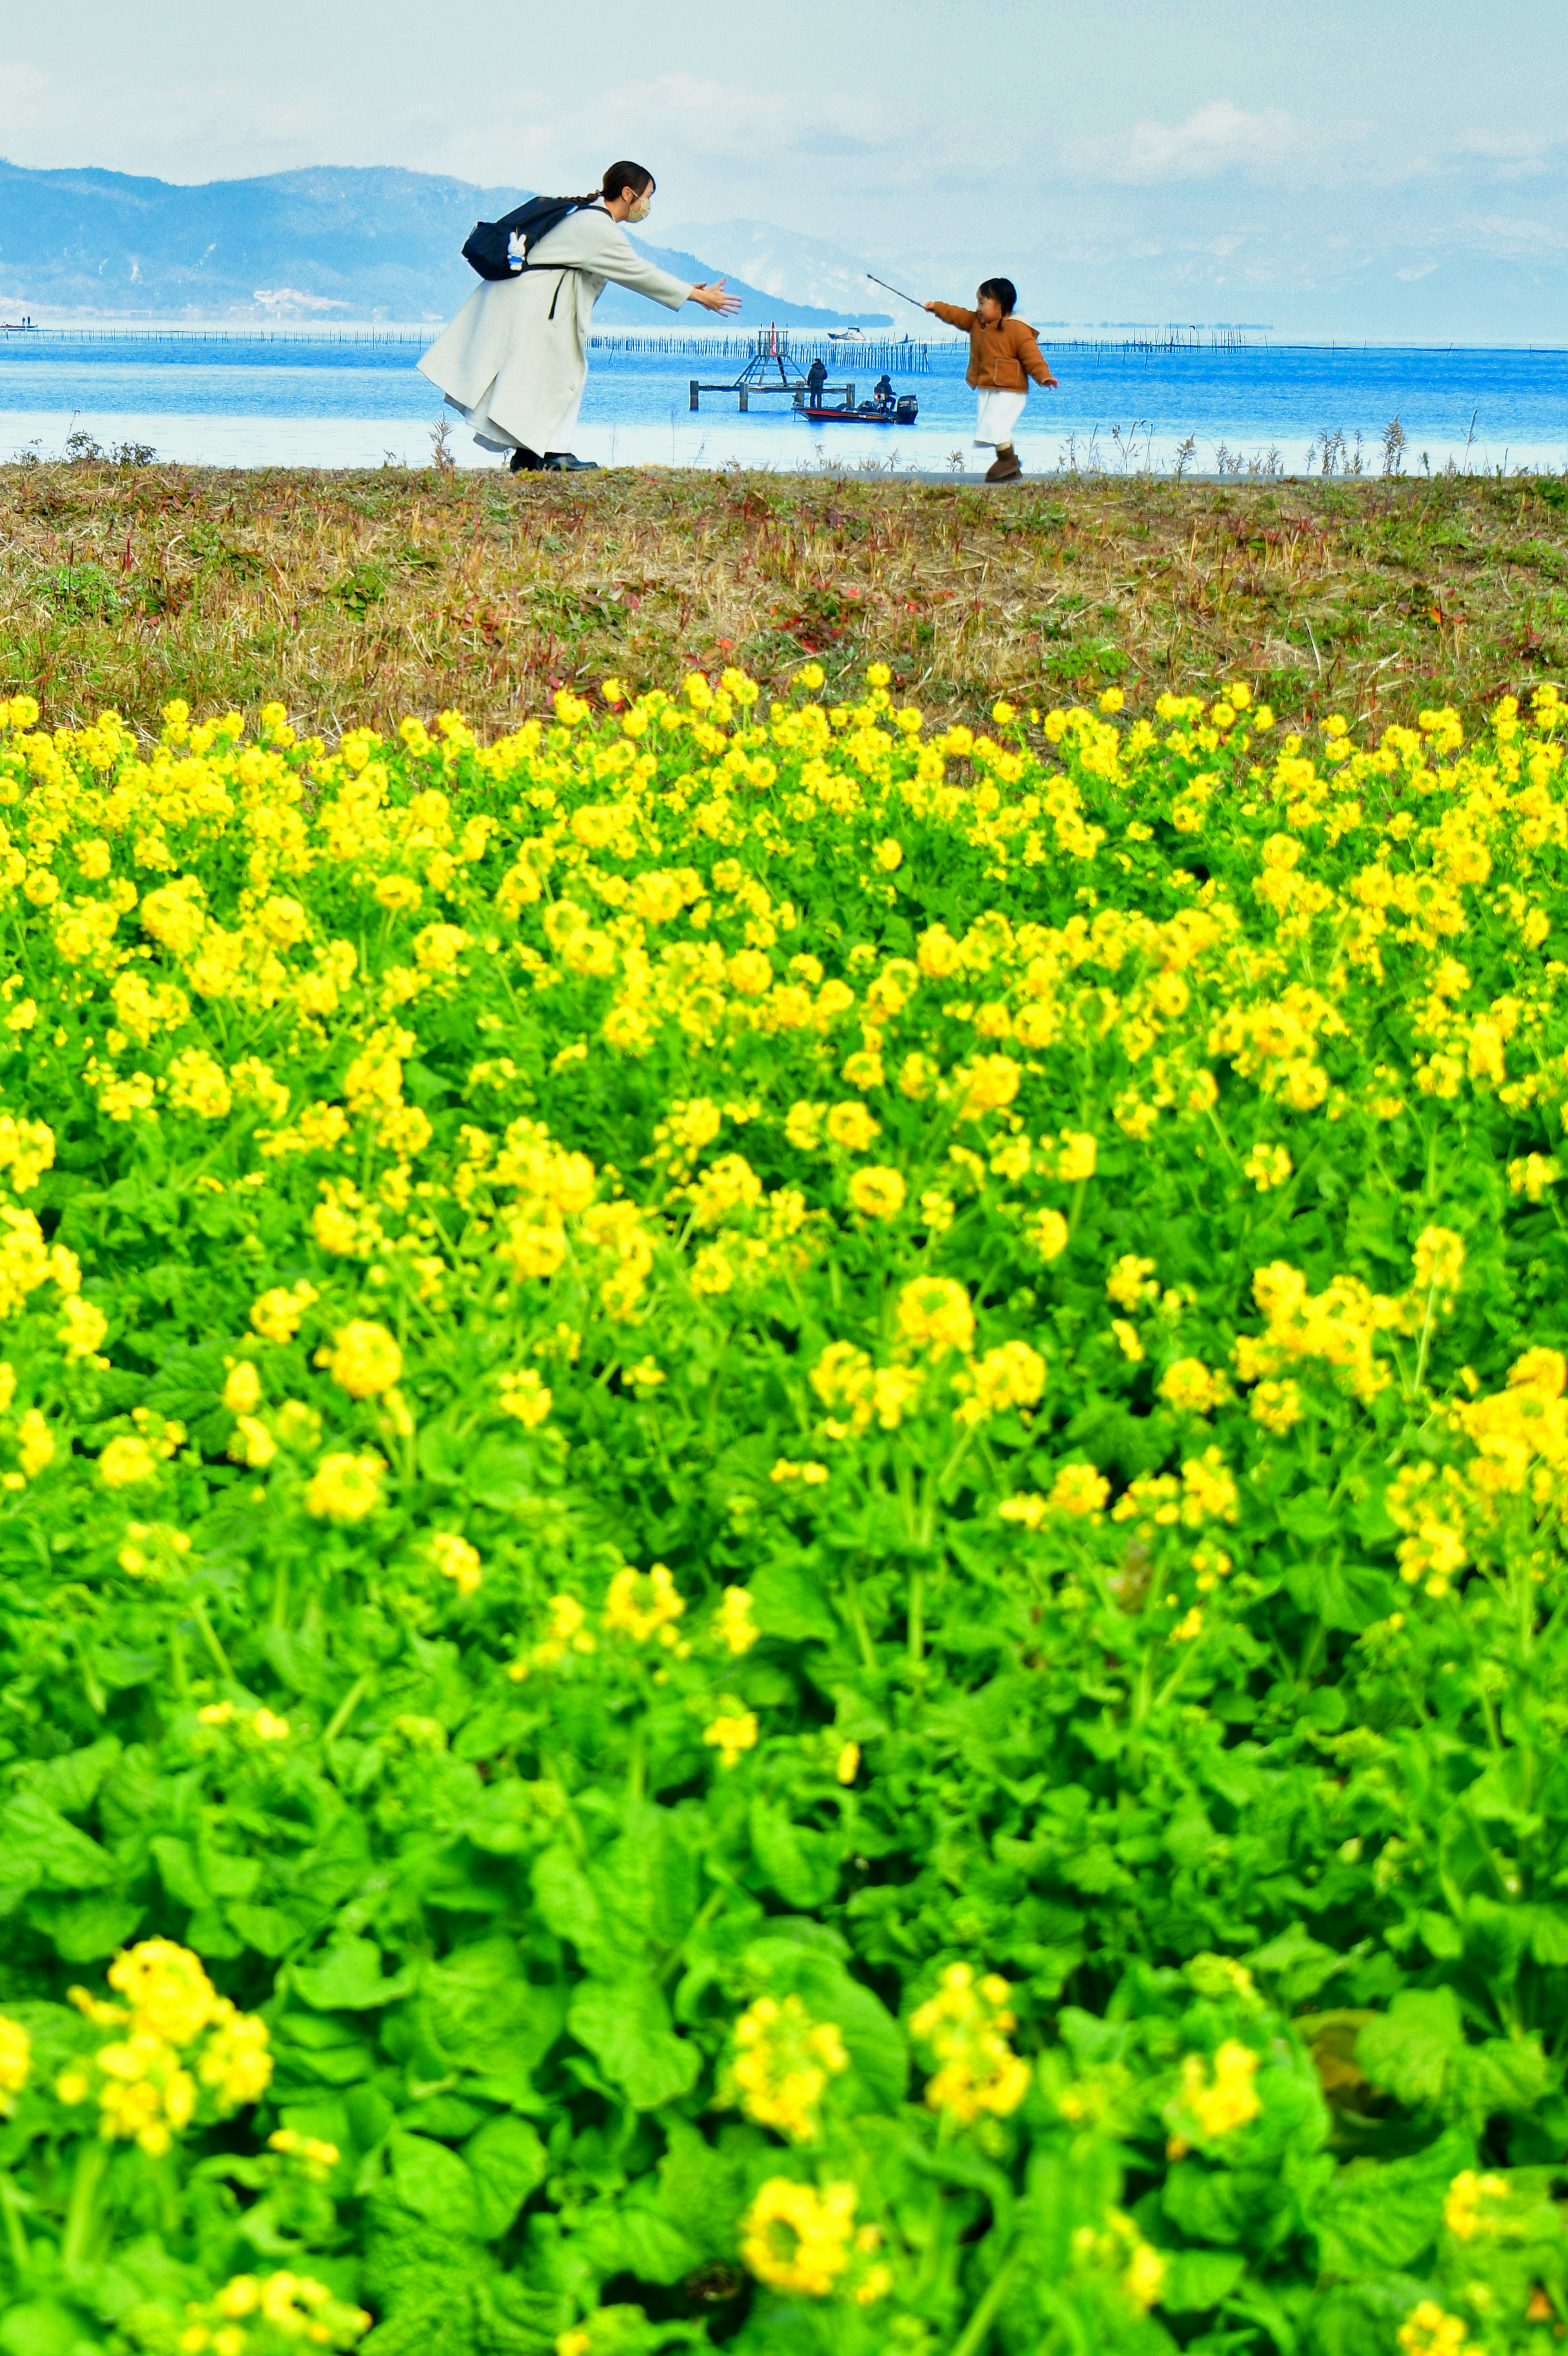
(230, 400)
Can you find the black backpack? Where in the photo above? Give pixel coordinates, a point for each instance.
(489, 249)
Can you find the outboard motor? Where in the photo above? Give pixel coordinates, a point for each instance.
(908, 409)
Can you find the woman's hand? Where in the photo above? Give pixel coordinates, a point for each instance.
(930, 307)
(713, 298)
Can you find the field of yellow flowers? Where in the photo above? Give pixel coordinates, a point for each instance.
(780, 1504)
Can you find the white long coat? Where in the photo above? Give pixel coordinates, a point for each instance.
(515, 359)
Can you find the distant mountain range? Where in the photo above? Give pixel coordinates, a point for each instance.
(330, 243)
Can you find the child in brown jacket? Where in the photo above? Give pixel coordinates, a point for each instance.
(1003, 354)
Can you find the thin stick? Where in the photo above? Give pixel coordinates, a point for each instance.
(895, 290)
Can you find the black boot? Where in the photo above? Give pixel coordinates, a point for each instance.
(526, 462)
(561, 462)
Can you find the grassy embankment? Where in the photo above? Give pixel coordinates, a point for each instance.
(356, 598)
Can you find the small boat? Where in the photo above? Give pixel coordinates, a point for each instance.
(902, 411)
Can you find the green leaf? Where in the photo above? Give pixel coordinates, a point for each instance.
(1311, 1515)
(1296, 1963)
(484, 2015)
(42, 2327)
(84, 1929)
(349, 1978)
(326, 2118)
(1440, 1935)
(178, 1870)
(71, 1783)
(443, 1454)
(506, 2160)
(1548, 1934)
(787, 1601)
(802, 1865)
(1374, 2215)
(650, 1876)
(321, 2049)
(36, 1839)
(1348, 1596)
(626, 2028)
(569, 1905)
(1197, 2279)
(1506, 2073)
(433, 2182)
(265, 1928)
(636, 2238)
(501, 1474)
(1412, 2050)
(701, 2188)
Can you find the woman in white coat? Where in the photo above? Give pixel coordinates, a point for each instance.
(515, 359)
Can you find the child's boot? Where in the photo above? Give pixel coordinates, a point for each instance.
(1004, 466)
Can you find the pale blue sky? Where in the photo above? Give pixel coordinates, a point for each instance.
(1308, 166)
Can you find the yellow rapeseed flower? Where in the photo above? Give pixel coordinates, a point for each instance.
(456, 1560)
(126, 1462)
(737, 1626)
(795, 2238)
(732, 1731)
(1429, 2331)
(364, 1359)
(1227, 2100)
(243, 1387)
(16, 2061)
(966, 2024)
(782, 2064)
(345, 1487)
(527, 1396)
(935, 1314)
(850, 1126)
(877, 1193)
(643, 1604)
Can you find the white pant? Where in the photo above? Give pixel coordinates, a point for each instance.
(995, 415)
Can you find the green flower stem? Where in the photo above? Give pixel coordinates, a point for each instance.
(917, 1613)
(209, 1636)
(348, 1706)
(857, 1618)
(15, 2234)
(711, 1906)
(81, 2216)
(976, 2333)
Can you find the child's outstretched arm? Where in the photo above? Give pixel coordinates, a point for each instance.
(955, 314)
(1032, 359)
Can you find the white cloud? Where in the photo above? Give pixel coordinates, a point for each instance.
(1503, 233)
(19, 84)
(1220, 138)
(1505, 146)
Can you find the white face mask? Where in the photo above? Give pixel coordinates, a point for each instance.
(641, 209)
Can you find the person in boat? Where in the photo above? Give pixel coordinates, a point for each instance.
(515, 359)
(815, 377)
(883, 390)
(1004, 355)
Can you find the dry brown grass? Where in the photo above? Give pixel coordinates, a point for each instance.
(354, 597)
